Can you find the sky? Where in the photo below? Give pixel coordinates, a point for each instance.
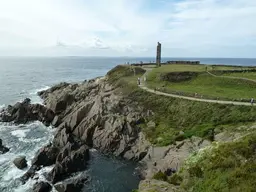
(186, 28)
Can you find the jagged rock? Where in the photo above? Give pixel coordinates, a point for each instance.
(73, 185)
(71, 159)
(95, 114)
(56, 121)
(62, 138)
(30, 173)
(3, 149)
(171, 157)
(42, 187)
(24, 112)
(20, 162)
(46, 156)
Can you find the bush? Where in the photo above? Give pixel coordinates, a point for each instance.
(160, 176)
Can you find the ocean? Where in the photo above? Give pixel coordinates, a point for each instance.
(24, 77)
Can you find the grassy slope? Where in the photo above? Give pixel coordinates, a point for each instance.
(249, 75)
(209, 87)
(174, 115)
(204, 85)
(221, 168)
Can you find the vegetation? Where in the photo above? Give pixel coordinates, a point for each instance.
(249, 75)
(178, 119)
(160, 176)
(205, 85)
(223, 167)
(227, 166)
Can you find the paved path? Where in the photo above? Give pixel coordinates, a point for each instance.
(144, 87)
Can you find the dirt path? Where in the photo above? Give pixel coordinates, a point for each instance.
(231, 77)
(144, 87)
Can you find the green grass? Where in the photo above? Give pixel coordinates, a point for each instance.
(222, 167)
(225, 167)
(249, 75)
(196, 68)
(173, 115)
(207, 86)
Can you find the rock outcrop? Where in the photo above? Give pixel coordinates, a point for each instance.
(96, 114)
(42, 187)
(3, 149)
(169, 159)
(20, 162)
(23, 112)
(72, 185)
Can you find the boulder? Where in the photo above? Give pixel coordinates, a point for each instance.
(73, 185)
(20, 162)
(3, 149)
(42, 187)
(46, 156)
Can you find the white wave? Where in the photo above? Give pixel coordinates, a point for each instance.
(34, 92)
(2, 106)
(24, 140)
(20, 133)
(13, 173)
(34, 97)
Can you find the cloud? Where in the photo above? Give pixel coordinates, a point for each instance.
(196, 28)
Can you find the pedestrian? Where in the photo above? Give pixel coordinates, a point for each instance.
(138, 81)
(252, 101)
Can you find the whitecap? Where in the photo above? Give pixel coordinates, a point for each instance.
(34, 92)
(2, 106)
(20, 133)
(35, 98)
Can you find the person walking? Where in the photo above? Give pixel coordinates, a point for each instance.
(252, 101)
(138, 81)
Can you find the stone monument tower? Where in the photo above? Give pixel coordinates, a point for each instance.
(158, 54)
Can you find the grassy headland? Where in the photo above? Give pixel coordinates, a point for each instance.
(193, 80)
(221, 167)
(174, 116)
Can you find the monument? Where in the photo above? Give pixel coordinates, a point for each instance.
(158, 54)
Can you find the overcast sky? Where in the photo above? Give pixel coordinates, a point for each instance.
(186, 28)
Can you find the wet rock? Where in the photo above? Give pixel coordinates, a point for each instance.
(30, 173)
(25, 111)
(20, 162)
(42, 187)
(3, 149)
(73, 185)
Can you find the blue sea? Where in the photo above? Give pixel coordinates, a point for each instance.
(24, 77)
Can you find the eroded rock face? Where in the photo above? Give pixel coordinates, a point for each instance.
(72, 185)
(46, 156)
(20, 162)
(3, 149)
(71, 159)
(42, 187)
(99, 116)
(169, 159)
(25, 112)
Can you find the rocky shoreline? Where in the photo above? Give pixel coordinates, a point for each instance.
(96, 114)
(85, 115)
